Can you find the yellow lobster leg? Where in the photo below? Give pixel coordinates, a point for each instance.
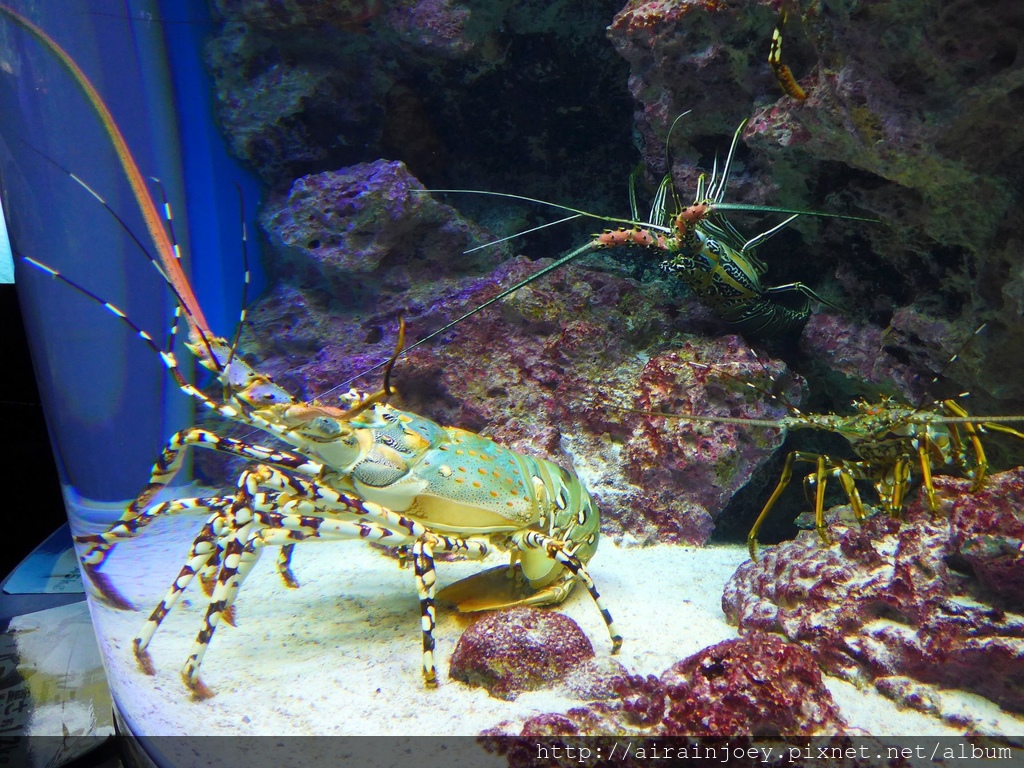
(901, 481)
(980, 470)
(820, 478)
(924, 456)
(848, 481)
(787, 475)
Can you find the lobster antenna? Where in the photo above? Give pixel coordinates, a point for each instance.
(571, 256)
(758, 239)
(751, 385)
(659, 215)
(117, 217)
(511, 196)
(668, 146)
(399, 346)
(717, 206)
(988, 422)
(167, 356)
(520, 234)
(246, 274)
(945, 367)
(669, 164)
(239, 411)
(715, 191)
(181, 305)
(164, 247)
(385, 391)
(634, 208)
(716, 187)
(737, 420)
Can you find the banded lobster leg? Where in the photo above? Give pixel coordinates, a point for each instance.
(96, 548)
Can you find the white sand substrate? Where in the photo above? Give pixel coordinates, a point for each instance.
(341, 654)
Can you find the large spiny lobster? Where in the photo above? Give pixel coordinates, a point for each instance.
(365, 471)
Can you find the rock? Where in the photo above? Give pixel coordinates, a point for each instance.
(756, 689)
(307, 86)
(357, 232)
(757, 685)
(988, 533)
(901, 598)
(519, 649)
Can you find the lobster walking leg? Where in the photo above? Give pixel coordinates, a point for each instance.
(276, 529)
(205, 549)
(96, 548)
(558, 550)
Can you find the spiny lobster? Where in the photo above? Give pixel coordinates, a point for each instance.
(366, 471)
(893, 442)
(698, 245)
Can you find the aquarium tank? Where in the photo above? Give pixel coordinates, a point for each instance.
(532, 370)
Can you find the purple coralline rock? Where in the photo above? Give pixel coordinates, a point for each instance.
(365, 228)
(291, 111)
(305, 87)
(906, 598)
(519, 649)
(757, 685)
(856, 353)
(755, 689)
(705, 463)
(543, 372)
(988, 533)
(686, 53)
(438, 26)
(863, 361)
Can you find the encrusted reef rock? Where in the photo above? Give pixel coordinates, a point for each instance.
(468, 94)
(354, 233)
(704, 464)
(754, 689)
(932, 598)
(519, 649)
(757, 685)
(988, 533)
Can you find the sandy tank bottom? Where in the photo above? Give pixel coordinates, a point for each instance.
(341, 654)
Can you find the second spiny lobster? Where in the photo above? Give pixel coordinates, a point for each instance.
(697, 245)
